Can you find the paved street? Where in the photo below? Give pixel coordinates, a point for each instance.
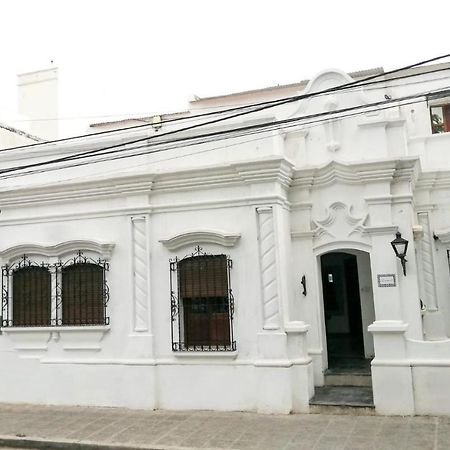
(67, 427)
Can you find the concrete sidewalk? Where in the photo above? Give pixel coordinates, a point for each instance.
(57, 427)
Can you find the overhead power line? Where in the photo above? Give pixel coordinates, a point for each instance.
(143, 116)
(308, 125)
(265, 105)
(226, 134)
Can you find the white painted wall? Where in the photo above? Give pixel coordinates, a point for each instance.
(323, 188)
(38, 101)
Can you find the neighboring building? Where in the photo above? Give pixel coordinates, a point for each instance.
(36, 120)
(231, 274)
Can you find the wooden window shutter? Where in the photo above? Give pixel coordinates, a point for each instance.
(203, 276)
(82, 295)
(203, 287)
(31, 296)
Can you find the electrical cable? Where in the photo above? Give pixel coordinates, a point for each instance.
(147, 138)
(269, 104)
(243, 131)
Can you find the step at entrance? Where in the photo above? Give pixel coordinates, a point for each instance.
(337, 378)
(343, 396)
(347, 389)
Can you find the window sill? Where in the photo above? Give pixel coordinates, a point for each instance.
(200, 354)
(34, 341)
(59, 328)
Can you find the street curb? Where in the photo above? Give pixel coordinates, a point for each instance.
(38, 444)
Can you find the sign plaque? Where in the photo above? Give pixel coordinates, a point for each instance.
(386, 280)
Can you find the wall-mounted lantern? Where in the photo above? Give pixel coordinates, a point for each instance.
(400, 247)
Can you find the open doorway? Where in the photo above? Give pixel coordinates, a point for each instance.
(348, 308)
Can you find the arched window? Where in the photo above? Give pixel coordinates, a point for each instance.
(31, 296)
(203, 311)
(83, 294)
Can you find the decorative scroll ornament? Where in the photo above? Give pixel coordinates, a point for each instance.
(339, 222)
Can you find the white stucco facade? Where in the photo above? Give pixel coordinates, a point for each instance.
(274, 203)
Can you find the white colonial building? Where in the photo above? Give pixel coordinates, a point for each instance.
(242, 272)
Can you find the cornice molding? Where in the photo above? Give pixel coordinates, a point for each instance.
(272, 169)
(357, 173)
(223, 238)
(103, 249)
(69, 191)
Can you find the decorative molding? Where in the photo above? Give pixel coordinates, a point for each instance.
(443, 235)
(296, 327)
(103, 249)
(68, 191)
(82, 338)
(33, 342)
(140, 265)
(357, 173)
(339, 222)
(379, 200)
(223, 238)
(382, 122)
(270, 169)
(268, 268)
(332, 127)
(388, 326)
(417, 231)
(29, 342)
(200, 356)
(381, 229)
(302, 234)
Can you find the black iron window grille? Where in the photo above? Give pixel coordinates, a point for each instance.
(74, 292)
(202, 303)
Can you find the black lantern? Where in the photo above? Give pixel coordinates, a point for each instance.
(400, 247)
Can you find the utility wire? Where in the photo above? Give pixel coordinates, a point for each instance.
(191, 127)
(182, 145)
(239, 132)
(269, 103)
(145, 115)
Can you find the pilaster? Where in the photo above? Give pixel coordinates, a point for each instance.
(141, 334)
(274, 393)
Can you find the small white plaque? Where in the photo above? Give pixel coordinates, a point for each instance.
(386, 280)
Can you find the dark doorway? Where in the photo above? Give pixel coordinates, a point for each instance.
(342, 307)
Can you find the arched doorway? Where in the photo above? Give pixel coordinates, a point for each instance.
(348, 308)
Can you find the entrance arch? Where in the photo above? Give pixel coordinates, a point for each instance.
(347, 307)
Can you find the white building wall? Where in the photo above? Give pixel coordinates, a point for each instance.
(274, 206)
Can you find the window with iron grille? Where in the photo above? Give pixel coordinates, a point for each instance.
(74, 292)
(202, 303)
(31, 296)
